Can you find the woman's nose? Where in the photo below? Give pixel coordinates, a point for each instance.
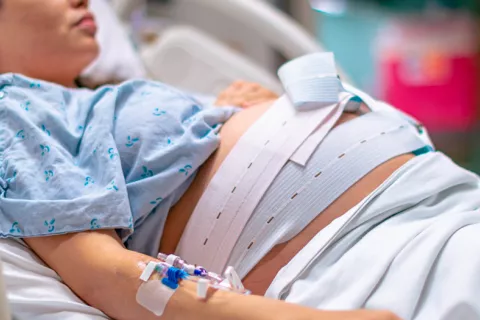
(79, 3)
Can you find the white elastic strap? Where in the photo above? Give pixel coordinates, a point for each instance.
(386, 109)
(154, 296)
(311, 81)
(229, 173)
(305, 151)
(309, 94)
(384, 139)
(211, 236)
(258, 179)
(253, 164)
(370, 155)
(353, 105)
(367, 99)
(255, 161)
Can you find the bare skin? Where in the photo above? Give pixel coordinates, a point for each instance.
(54, 40)
(46, 39)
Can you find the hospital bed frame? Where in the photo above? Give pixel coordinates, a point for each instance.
(273, 26)
(212, 65)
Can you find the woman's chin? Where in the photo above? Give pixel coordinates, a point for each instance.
(88, 51)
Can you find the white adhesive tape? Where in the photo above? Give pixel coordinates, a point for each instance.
(154, 296)
(148, 271)
(202, 288)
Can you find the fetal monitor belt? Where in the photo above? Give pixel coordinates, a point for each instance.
(286, 132)
(250, 168)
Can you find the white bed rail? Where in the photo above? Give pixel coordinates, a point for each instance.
(273, 26)
(270, 24)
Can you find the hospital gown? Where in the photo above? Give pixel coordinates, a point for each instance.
(116, 158)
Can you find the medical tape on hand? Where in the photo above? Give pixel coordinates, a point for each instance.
(155, 294)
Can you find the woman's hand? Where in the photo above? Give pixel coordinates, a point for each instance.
(244, 94)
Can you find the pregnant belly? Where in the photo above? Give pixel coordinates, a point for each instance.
(262, 275)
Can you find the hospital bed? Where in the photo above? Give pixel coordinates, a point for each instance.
(193, 59)
(215, 63)
(187, 57)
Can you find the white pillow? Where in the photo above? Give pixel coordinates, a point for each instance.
(118, 59)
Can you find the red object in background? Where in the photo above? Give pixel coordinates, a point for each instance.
(447, 105)
(428, 68)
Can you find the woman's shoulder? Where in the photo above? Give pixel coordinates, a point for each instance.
(143, 87)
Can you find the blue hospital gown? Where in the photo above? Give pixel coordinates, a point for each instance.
(118, 157)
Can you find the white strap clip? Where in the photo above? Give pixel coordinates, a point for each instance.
(311, 81)
(233, 279)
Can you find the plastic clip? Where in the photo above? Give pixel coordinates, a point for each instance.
(234, 280)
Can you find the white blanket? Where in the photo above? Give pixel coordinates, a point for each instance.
(412, 247)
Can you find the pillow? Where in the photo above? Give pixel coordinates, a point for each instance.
(118, 59)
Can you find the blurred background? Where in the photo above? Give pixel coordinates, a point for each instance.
(422, 56)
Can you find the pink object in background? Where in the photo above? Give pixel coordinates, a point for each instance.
(427, 67)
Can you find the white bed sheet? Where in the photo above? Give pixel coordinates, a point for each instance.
(35, 291)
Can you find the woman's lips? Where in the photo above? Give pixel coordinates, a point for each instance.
(87, 24)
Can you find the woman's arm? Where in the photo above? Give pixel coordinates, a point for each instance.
(97, 267)
(229, 306)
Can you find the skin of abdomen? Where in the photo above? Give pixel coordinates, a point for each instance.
(259, 279)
